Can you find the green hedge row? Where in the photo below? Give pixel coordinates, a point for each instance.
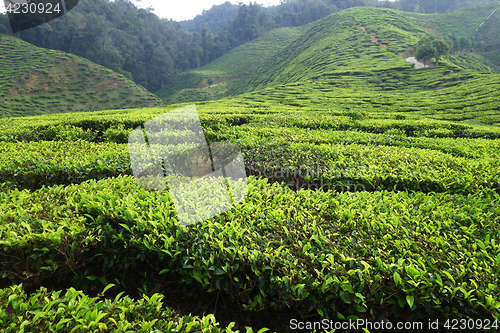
(55, 311)
(398, 163)
(35, 164)
(103, 126)
(459, 147)
(363, 254)
(369, 166)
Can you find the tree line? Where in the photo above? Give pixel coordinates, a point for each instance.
(435, 6)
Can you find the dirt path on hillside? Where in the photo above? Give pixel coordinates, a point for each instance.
(374, 39)
(412, 60)
(218, 81)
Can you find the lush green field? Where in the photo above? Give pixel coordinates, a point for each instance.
(463, 23)
(338, 44)
(355, 42)
(373, 192)
(38, 81)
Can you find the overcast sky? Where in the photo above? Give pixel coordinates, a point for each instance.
(188, 9)
(181, 10)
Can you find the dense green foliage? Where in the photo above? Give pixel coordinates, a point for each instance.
(136, 43)
(347, 246)
(53, 312)
(432, 6)
(214, 20)
(428, 176)
(37, 81)
(150, 50)
(494, 57)
(430, 47)
(353, 42)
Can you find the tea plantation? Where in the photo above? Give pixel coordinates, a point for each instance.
(373, 193)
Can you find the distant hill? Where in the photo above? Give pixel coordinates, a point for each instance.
(35, 81)
(359, 40)
(353, 62)
(461, 25)
(356, 40)
(226, 72)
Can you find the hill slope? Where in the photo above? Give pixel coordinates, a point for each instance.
(357, 40)
(354, 40)
(36, 81)
(462, 24)
(354, 61)
(228, 69)
(365, 197)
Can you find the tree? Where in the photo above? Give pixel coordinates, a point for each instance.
(162, 67)
(4, 24)
(465, 43)
(431, 47)
(418, 9)
(425, 52)
(441, 48)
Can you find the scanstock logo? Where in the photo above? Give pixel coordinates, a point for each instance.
(170, 152)
(26, 14)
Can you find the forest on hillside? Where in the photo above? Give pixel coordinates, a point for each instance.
(149, 50)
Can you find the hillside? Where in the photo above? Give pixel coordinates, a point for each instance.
(353, 62)
(355, 40)
(358, 40)
(461, 25)
(226, 71)
(351, 42)
(365, 195)
(214, 19)
(36, 81)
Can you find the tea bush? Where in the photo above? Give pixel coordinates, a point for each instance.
(46, 311)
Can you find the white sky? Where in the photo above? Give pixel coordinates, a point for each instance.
(182, 10)
(188, 9)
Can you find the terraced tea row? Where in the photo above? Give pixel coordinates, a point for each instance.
(336, 255)
(438, 93)
(381, 198)
(371, 162)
